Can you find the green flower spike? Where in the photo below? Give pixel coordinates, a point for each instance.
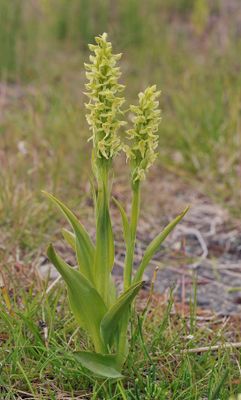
(142, 153)
(104, 105)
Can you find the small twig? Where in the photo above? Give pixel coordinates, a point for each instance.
(72, 336)
(44, 326)
(55, 282)
(213, 348)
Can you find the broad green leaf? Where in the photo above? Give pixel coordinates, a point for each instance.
(113, 316)
(100, 364)
(84, 247)
(155, 244)
(125, 222)
(69, 238)
(85, 302)
(104, 231)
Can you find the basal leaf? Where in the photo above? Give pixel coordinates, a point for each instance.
(85, 302)
(104, 365)
(84, 246)
(69, 238)
(155, 244)
(113, 316)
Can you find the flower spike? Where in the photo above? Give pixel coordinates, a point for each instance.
(104, 105)
(142, 153)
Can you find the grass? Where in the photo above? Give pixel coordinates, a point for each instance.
(193, 54)
(36, 345)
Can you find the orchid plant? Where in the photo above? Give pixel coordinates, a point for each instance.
(98, 308)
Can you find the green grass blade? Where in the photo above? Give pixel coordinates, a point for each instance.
(112, 318)
(221, 383)
(84, 247)
(155, 244)
(85, 302)
(100, 364)
(125, 222)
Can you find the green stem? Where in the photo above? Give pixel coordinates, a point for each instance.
(130, 247)
(130, 251)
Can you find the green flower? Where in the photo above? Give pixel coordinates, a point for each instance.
(144, 134)
(104, 105)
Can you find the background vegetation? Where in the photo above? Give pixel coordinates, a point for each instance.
(191, 49)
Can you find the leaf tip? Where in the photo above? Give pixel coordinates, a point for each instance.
(50, 251)
(186, 209)
(47, 194)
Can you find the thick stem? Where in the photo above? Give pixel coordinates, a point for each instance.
(104, 255)
(99, 346)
